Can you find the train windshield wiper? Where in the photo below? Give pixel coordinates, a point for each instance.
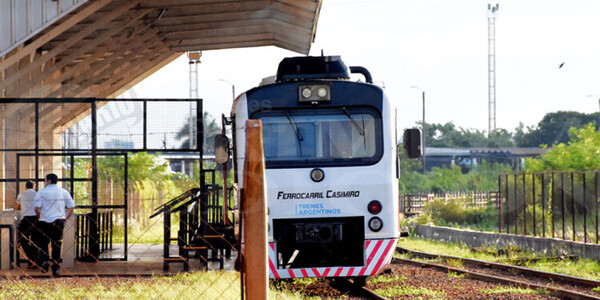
(361, 130)
(296, 129)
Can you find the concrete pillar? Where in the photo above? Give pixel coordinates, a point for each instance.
(68, 248)
(50, 137)
(7, 218)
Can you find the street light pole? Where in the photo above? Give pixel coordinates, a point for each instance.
(232, 88)
(423, 134)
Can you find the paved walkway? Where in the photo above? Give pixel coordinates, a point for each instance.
(142, 260)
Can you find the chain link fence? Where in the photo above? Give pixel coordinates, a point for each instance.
(139, 228)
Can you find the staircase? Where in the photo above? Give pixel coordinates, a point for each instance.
(203, 233)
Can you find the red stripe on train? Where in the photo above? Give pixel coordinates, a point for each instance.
(273, 270)
(382, 258)
(370, 258)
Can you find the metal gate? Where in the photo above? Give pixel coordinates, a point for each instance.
(562, 205)
(95, 220)
(32, 128)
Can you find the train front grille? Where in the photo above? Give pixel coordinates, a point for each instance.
(319, 242)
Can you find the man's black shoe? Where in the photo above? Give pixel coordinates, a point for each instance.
(56, 272)
(45, 266)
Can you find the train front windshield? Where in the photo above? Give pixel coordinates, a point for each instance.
(341, 136)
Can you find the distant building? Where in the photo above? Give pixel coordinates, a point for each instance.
(185, 162)
(467, 157)
(118, 144)
(446, 157)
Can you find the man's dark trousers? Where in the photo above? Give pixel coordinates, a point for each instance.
(51, 233)
(28, 235)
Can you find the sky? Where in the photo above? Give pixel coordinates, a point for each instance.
(439, 46)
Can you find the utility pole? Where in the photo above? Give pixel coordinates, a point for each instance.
(232, 88)
(194, 60)
(491, 15)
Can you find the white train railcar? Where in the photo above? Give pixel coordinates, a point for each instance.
(331, 168)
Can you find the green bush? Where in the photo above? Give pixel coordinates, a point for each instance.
(452, 211)
(485, 219)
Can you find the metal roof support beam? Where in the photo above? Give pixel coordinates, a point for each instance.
(203, 33)
(146, 42)
(114, 74)
(104, 36)
(227, 45)
(98, 74)
(54, 32)
(199, 43)
(116, 46)
(292, 47)
(128, 71)
(194, 6)
(101, 22)
(109, 88)
(159, 64)
(207, 19)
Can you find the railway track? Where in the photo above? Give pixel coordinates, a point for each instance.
(348, 286)
(561, 285)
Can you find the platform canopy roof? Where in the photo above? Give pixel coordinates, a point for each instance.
(103, 47)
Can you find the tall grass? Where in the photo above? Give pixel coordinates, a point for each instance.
(198, 285)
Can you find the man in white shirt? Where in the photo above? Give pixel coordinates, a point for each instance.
(28, 232)
(53, 205)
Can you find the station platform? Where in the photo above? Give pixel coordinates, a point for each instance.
(143, 260)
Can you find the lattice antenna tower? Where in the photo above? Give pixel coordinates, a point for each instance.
(194, 60)
(492, 12)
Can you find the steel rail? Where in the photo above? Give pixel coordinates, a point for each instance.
(349, 285)
(368, 293)
(521, 270)
(492, 278)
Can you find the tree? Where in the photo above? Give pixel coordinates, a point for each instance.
(448, 135)
(553, 128)
(580, 154)
(501, 138)
(211, 128)
(482, 177)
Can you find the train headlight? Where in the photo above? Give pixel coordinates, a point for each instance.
(314, 93)
(374, 207)
(306, 92)
(317, 175)
(375, 224)
(322, 92)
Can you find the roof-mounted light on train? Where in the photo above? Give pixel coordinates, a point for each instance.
(375, 224)
(314, 93)
(322, 92)
(374, 207)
